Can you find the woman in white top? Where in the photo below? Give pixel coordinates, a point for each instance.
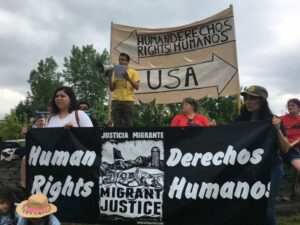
(64, 110)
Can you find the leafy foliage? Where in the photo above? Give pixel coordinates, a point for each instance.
(24, 111)
(43, 81)
(223, 110)
(152, 115)
(81, 73)
(10, 127)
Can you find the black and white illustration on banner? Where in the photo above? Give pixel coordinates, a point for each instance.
(131, 180)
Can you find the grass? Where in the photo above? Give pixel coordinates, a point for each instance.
(291, 220)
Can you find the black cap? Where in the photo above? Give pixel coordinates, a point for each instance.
(257, 91)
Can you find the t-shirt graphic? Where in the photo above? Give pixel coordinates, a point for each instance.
(121, 83)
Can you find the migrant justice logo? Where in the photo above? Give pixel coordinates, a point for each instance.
(152, 175)
(132, 180)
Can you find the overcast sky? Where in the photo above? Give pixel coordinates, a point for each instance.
(267, 34)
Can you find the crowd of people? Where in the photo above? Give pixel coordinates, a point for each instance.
(66, 112)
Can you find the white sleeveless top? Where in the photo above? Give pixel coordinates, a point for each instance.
(84, 120)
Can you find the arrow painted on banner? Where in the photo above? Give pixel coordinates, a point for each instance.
(151, 44)
(129, 46)
(214, 73)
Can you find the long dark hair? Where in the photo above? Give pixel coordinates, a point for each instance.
(263, 113)
(73, 102)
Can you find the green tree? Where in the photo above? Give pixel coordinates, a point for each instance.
(10, 127)
(222, 109)
(153, 115)
(81, 73)
(24, 111)
(43, 81)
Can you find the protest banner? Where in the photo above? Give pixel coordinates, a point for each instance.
(195, 60)
(208, 175)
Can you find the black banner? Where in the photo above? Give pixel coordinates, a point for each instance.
(64, 165)
(214, 175)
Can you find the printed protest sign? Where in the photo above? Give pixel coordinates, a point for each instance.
(210, 175)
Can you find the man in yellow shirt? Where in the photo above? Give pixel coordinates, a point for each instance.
(122, 86)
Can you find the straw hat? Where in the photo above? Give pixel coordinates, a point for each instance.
(36, 206)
